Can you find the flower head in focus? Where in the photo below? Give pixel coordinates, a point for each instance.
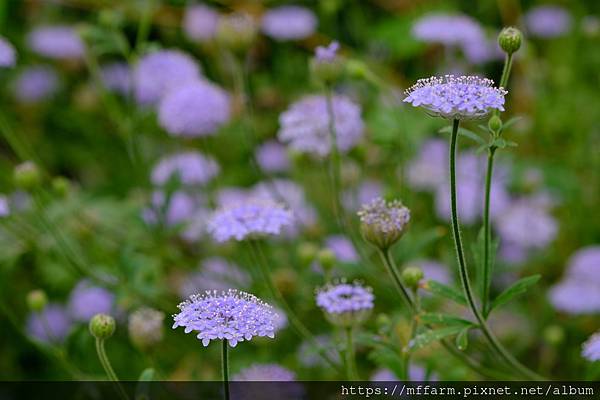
(452, 97)
(56, 42)
(289, 23)
(383, 223)
(190, 168)
(8, 56)
(346, 304)
(234, 316)
(591, 348)
(145, 327)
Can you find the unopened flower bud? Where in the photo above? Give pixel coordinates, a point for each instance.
(510, 39)
(307, 252)
(412, 276)
(383, 223)
(326, 258)
(554, 334)
(37, 300)
(146, 327)
(357, 69)
(102, 326)
(327, 65)
(495, 124)
(27, 175)
(61, 186)
(236, 32)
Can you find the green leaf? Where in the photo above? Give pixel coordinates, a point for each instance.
(428, 337)
(444, 319)
(462, 339)
(445, 291)
(516, 289)
(511, 143)
(511, 122)
(466, 133)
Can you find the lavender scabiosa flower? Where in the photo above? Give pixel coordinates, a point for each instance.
(456, 97)
(449, 30)
(215, 273)
(197, 109)
(190, 168)
(145, 327)
(548, 21)
(116, 77)
(87, 300)
(342, 247)
(170, 210)
(591, 348)
(305, 125)
(35, 84)
(234, 316)
(383, 223)
(346, 304)
(158, 72)
(57, 42)
(428, 170)
(8, 56)
(585, 264)
(52, 325)
(272, 157)
(253, 217)
(289, 23)
(366, 191)
(291, 195)
(327, 53)
(200, 22)
(265, 372)
(527, 225)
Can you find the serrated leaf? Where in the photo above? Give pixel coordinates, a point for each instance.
(516, 289)
(466, 133)
(428, 337)
(444, 319)
(445, 291)
(462, 339)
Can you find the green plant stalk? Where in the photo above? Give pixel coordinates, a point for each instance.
(464, 274)
(389, 264)
(335, 160)
(487, 234)
(225, 368)
(414, 324)
(108, 368)
(351, 371)
(508, 60)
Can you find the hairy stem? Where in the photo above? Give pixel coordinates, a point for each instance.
(487, 233)
(225, 369)
(108, 367)
(351, 371)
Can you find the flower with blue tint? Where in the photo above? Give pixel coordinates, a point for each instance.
(290, 194)
(190, 168)
(548, 21)
(4, 206)
(272, 157)
(52, 325)
(116, 77)
(196, 109)
(249, 218)
(527, 224)
(327, 53)
(35, 84)
(342, 247)
(346, 304)
(289, 23)
(200, 22)
(447, 29)
(585, 264)
(233, 316)
(8, 56)
(173, 209)
(87, 300)
(57, 42)
(456, 97)
(591, 348)
(428, 170)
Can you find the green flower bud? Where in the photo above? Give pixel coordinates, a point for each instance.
(307, 252)
(27, 175)
(495, 124)
(383, 223)
(37, 300)
(554, 334)
(236, 32)
(61, 186)
(510, 39)
(326, 258)
(357, 69)
(412, 276)
(102, 326)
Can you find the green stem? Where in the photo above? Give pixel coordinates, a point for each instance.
(487, 233)
(351, 371)
(414, 325)
(390, 265)
(225, 369)
(335, 161)
(506, 70)
(108, 367)
(464, 274)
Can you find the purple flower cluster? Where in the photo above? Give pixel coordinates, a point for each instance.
(591, 348)
(266, 373)
(365, 192)
(291, 195)
(289, 23)
(272, 157)
(252, 217)
(548, 21)
(171, 210)
(196, 109)
(215, 273)
(200, 22)
(190, 168)
(35, 84)
(51, 325)
(342, 247)
(327, 53)
(8, 56)
(56, 42)
(346, 304)
(233, 316)
(305, 125)
(429, 169)
(87, 300)
(386, 217)
(452, 97)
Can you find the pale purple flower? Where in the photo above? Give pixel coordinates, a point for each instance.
(576, 296)
(231, 196)
(4, 206)
(291, 195)
(272, 157)
(585, 264)
(196, 109)
(548, 21)
(327, 53)
(116, 77)
(449, 30)
(252, 217)
(305, 125)
(591, 348)
(200, 22)
(289, 23)
(429, 169)
(195, 228)
(345, 298)
(35, 84)
(51, 325)
(160, 71)
(456, 97)
(87, 300)
(527, 225)
(8, 56)
(215, 273)
(388, 218)
(366, 191)
(265, 372)
(57, 42)
(233, 316)
(190, 168)
(281, 320)
(171, 210)
(434, 270)
(342, 247)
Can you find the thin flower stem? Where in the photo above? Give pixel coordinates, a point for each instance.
(334, 162)
(464, 274)
(351, 371)
(389, 264)
(487, 233)
(414, 325)
(225, 368)
(506, 70)
(108, 368)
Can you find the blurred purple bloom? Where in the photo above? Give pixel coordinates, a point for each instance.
(158, 72)
(289, 23)
(434, 270)
(116, 77)
(449, 30)
(576, 296)
(190, 168)
(52, 325)
(35, 84)
(4, 206)
(272, 157)
(233, 316)
(87, 300)
(265, 372)
(429, 169)
(585, 264)
(215, 273)
(181, 207)
(8, 56)
(366, 191)
(56, 42)
(342, 247)
(345, 298)
(196, 109)
(456, 97)
(548, 21)
(290, 194)
(305, 125)
(195, 229)
(527, 225)
(591, 348)
(200, 22)
(327, 53)
(249, 218)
